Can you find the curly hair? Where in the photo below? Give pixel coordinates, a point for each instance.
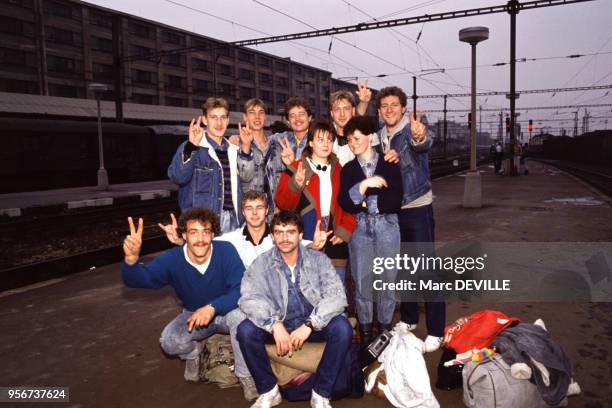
(297, 101)
(287, 217)
(203, 215)
(392, 91)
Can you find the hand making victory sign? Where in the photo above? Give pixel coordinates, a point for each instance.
(195, 131)
(363, 92)
(287, 155)
(417, 128)
(133, 242)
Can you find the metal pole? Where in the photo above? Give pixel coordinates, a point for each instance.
(414, 97)
(473, 108)
(102, 174)
(445, 126)
(118, 69)
(513, 9)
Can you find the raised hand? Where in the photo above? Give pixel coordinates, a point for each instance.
(171, 231)
(201, 317)
(363, 92)
(319, 238)
(335, 240)
(300, 175)
(417, 128)
(234, 139)
(287, 155)
(133, 242)
(246, 137)
(195, 131)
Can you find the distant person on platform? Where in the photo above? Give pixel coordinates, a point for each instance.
(499, 156)
(209, 170)
(404, 140)
(206, 276)
(341, 109)
(291, 295)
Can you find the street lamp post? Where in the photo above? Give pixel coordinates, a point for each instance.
(472, 193)
(98, 89)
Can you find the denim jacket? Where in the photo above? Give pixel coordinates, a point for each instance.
(264, 289)
(414, 163)
(200, 178)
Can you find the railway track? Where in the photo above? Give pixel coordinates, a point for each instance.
(18, 276)
(600, 178)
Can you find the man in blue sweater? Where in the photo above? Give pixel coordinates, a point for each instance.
(206, 276)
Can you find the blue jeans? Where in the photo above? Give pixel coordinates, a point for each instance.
(338, 335)
(176, 340)
(374, 236)
(417, 230)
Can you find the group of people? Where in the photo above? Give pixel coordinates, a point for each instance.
(270, 223)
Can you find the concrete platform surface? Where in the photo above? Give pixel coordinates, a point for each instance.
(100, 339)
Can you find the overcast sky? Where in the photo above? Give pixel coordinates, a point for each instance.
(548, 34)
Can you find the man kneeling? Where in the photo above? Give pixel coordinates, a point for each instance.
(206, 276)
(292, 294)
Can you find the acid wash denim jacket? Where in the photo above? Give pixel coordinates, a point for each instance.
(414, 161)
(264, 291)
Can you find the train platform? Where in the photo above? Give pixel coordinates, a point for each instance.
(90, 333)
(59, 200)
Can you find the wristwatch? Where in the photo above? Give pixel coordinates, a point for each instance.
(308, 323)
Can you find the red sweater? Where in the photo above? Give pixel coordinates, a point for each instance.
(306, 201)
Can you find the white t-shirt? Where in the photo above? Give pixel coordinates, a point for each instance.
(325, 189)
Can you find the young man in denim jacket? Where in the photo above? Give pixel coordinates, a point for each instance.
(291, 295)
(209, 170)
(405, 141)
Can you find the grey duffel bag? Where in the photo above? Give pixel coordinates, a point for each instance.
(489, 384)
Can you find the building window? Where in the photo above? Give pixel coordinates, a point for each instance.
(246, 56)
(101, 44)
(144, 99)
(102, 71)
(297, 70)
(266, 95)
(264, 62)
(223, 50)
(281, 98)
(245, 74)
(17, 27)
(173, 81)
(265, 78)
(311, 73)
(225, 89)
(66, 91)
(200, 85)
(59, 36)
(22, 3)
(246, 93)
(281, 66)
(225, 70)
(200, 44)
(63, 65)
(61, 10)
(138, 50)
(201, 65)
(141, 30)
(17, 58)
(17, 86)
(171, 101)
(144, 77)
(173, 38)
(176, 60)
(281, 81)
(100, 19)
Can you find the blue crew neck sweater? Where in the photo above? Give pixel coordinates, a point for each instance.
(219, 286)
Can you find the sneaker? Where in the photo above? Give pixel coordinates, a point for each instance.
(269, 399)
(192, 366)
(317, 401)
(248, 388)
(432, 343)
(411, 326)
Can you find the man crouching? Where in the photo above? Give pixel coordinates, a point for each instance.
(290, 295)
(206, 276)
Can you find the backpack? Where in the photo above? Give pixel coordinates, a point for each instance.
(217, 361)
(489, 384)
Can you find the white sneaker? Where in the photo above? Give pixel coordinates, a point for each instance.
(269, 399)
(317, 401)
(411, 326)
(192, 366)
(248, 388)
(432, 343)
